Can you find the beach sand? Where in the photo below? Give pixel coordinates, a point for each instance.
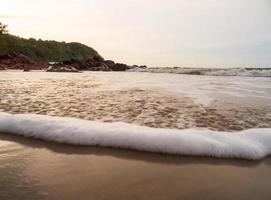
(33, 169)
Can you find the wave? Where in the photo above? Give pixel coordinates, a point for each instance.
(250, 72)
(249, 144)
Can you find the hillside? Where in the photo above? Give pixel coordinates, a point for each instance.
(40, 50)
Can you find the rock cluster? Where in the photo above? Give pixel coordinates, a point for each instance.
(95, 64)
(20, 61)
(62, 69)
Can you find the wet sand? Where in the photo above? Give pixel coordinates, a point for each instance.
(33, 169)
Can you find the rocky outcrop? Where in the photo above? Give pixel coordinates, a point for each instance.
(66, 68)
(92, 64)
(95, 64)
(20, 62)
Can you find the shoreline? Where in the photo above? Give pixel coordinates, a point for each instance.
(188, 110)
(226, 72)
(249, 144)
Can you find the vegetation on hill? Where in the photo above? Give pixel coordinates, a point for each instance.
(40, 50)
(3, 29)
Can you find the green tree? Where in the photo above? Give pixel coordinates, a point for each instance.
(3, 29)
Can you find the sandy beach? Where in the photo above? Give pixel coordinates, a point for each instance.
(33, 169)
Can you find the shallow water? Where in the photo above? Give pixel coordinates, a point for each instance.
(32, 169)
(155, 100)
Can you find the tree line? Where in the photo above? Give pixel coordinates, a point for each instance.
(43, 50)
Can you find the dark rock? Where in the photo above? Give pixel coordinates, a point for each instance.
(95, 64)
(21, 62)
(120, 67)
(102, 67)
(109, 62)
(2, 68)
(26, 69)
(98, 59)
(71, 62)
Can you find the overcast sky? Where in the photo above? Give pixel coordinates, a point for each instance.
(192, 33)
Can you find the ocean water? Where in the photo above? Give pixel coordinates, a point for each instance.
(245, 72)
(218, 116)
(98, 135)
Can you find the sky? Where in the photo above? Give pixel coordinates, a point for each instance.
(157, 33)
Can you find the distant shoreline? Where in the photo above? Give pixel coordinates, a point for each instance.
(245, 72)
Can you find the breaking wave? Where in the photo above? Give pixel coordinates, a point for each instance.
(250, 72)
(249, 144)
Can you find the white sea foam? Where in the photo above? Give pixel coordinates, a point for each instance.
(249, 144)
(202, 89)
(208, 71)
